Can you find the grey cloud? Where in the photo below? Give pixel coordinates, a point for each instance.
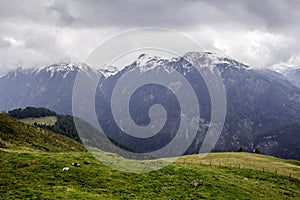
(255, 14)
(61, 11)
(53, 29)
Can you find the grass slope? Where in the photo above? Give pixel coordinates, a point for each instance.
(41, 120)
(248, 161)
(16, 135)
(40, 176)
(31, 168)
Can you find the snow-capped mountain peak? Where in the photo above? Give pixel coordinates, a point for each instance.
(66, 68)
(212, 59)
(62, 67)
(147, 62)
(109, 71)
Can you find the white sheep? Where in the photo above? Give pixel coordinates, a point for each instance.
(196, 183)
(65, 169)
(76, 164)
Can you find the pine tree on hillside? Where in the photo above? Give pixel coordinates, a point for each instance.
(257, 151)
(241, 149)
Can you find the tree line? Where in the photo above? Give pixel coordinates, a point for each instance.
(31, 112)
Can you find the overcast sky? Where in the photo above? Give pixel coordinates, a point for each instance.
(260, 33)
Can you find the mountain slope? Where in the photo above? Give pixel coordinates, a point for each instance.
(17, 135)
(292, 73)
(258, 101)
(47, 119)
(283, 142)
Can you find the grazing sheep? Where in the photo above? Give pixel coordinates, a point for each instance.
(196, 183)
(76, 164)
(65, 169)
(86, 162)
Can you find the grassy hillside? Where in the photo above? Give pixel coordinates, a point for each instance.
(42, 120)
(248, 161)
(46, 119)
(61, 124)
(16, 135)
(32, 162)
(40, 176)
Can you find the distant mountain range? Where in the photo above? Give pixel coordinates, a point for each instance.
(263, 106)
(49, 87)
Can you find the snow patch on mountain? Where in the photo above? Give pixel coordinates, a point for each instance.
(66, 68)
(211, 60)
(146, 62)
(283, 68)
(109, 71)
(62, 69)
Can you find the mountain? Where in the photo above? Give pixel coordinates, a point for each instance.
(291, 72)
(293, 75)
(258, 101)
(109, 71)
(282, 142)
(49, 87)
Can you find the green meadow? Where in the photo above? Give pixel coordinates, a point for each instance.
(32, 159)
